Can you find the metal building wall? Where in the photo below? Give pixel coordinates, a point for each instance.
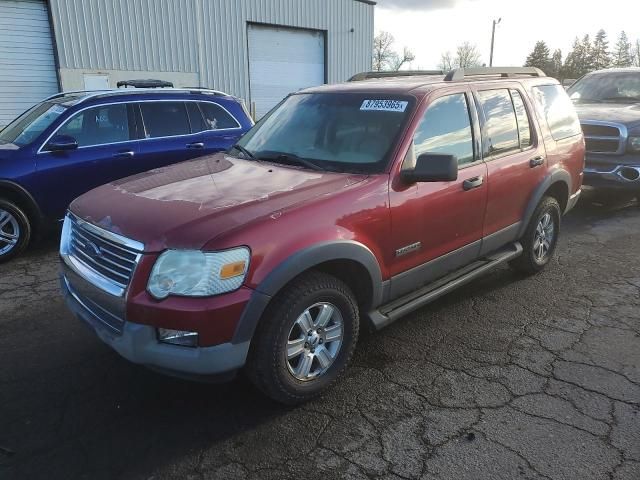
(205, 37)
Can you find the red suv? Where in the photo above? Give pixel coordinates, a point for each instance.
(346, 205)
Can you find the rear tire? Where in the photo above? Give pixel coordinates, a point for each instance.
(305, 340)
(540, 239)
(15, 230)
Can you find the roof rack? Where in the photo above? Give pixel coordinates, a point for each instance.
(387, 74)
(149, 83)
(461, 73)
(71, 92)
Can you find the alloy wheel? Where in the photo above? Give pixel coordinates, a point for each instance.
(544, 237)
(9, 232)
(314, 341)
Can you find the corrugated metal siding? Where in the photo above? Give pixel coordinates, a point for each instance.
(27, 67)
(205, 36)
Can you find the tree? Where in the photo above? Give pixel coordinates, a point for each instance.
(636, 53)
(587, 53)
(385, 57)
(575, 65)
(599, 55)
(555, 66)
(622, 52)
(447, 62)
(539, 57)
(467, 55)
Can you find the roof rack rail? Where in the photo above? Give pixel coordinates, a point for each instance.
(387, 74)
(149, 83)
(460, 73)
(70, 92)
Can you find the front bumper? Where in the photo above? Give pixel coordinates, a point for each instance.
(612, 171)
(138, 343)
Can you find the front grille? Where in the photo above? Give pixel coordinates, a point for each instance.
(116, 262)
(603, 138)
(601, 146)
(600, 130)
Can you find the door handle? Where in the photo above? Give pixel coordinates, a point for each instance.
(125, 154)
(195, 145)
(472, 183)
(536, 161)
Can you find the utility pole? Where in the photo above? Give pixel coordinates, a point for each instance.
(493, 36)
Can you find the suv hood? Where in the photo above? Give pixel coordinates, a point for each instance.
(188, 204)
(626, 113)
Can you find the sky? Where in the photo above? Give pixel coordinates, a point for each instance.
(431, 27)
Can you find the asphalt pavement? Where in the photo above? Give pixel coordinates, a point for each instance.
(508, 378)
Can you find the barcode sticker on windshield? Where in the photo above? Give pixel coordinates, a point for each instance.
(384, 105)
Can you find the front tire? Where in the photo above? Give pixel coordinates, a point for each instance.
(306, 339)
(15, 230)
(540, 239)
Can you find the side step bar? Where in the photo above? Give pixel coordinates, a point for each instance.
(389, 313)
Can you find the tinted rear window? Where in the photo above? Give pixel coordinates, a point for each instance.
(165, 119)
(217, 118)
(556, 107)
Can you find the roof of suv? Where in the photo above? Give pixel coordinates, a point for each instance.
(406, 82)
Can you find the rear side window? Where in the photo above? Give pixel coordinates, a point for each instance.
(446, 128)
(554, 103)
(524, 128)
(195, 117)
(99, 125)
(501, 125)
(165, 119)
(216, 117)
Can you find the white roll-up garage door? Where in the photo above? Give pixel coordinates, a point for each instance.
(281, 61)
(27, 67)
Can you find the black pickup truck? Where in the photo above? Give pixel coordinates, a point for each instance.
(608, 105)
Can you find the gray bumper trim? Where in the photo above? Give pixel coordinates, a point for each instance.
(138, 344)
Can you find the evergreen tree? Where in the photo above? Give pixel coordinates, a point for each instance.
(575, 64)
(555, 66)
(600, 57)
(622, 52)
(587, 54)
(539, 57)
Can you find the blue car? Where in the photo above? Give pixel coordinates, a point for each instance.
(75, 141)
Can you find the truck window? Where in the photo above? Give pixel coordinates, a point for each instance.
(446, 128)
(524, 127)
(501, 124)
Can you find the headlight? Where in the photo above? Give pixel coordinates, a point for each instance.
(634, 143)
(192, 273)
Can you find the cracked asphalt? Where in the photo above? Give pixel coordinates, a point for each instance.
(508, 378)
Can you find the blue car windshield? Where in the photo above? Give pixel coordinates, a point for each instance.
(28, 126)
(348, 132)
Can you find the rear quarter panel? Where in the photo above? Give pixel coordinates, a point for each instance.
(567, 154)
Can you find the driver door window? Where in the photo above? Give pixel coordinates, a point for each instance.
(445, 128)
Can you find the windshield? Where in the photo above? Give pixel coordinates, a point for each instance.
(28, 126)
(607, 87)
(329, 131)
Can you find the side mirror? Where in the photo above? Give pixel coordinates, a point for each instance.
(432, 167)
(61, 143)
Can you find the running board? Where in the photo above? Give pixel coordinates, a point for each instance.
(389, 313)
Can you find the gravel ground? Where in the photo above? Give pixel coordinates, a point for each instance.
(508, 378)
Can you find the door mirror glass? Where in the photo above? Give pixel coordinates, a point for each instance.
(62, 143)
(432, 167)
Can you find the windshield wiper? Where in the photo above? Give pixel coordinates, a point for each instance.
(291, 158)
(244, 151)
